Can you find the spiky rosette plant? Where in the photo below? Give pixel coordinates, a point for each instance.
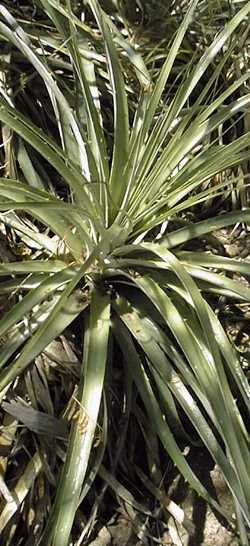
(98, 255)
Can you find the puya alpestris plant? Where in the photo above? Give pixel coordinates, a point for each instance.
(98, 257)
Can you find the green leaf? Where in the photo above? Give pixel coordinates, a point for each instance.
(48, 149)
(211, 373)
(89, 395)
(207, 259)
(192, 231)
(154, 413)
(31, 266)
(156, 93)
(67, 307)
(51, 285)
(39, 65)
(121, 124)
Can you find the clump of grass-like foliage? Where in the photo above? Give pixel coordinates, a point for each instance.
(109, 335)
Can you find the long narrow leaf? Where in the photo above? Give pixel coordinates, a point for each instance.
(152, 407)
(89, 395)
(121, 124)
